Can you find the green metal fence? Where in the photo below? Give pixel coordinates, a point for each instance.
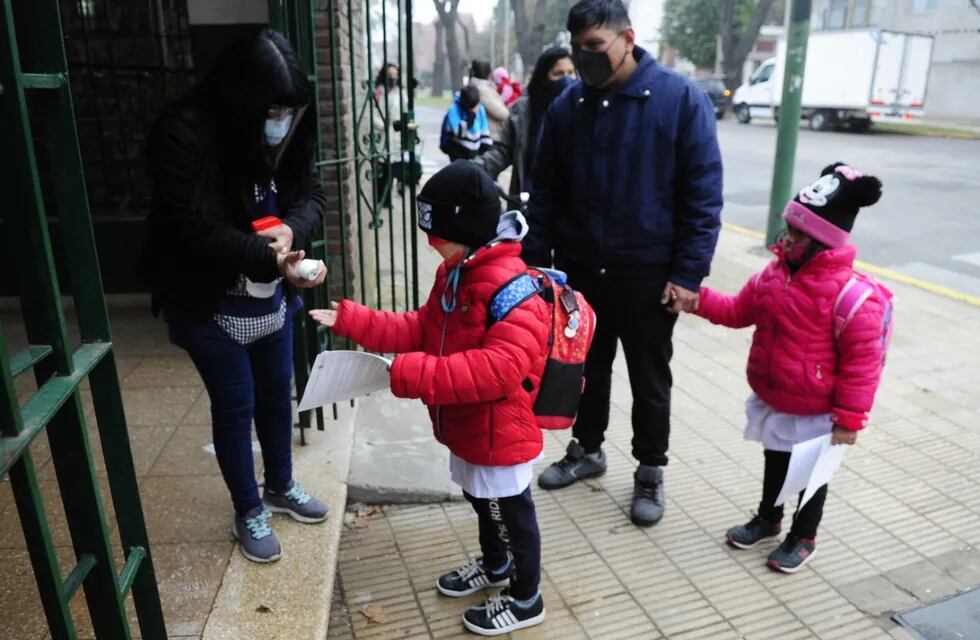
(56, 407)
(371, 232)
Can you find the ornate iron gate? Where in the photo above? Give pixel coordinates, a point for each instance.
(370, 239)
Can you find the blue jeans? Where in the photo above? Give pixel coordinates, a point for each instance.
(245, 382)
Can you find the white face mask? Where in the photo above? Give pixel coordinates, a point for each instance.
(276, 130)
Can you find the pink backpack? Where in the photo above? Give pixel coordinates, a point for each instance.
(857, 290)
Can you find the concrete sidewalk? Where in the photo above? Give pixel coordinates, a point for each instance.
(901, 524)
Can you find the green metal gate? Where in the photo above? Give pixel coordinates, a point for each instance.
(56, 406)
(370, 237)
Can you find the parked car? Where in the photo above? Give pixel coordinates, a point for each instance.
(721, 96)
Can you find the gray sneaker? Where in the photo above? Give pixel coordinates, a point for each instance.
(576, 465)
(648, 496)
(294, 501)
(257, 541)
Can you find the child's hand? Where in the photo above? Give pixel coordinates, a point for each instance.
(326, 317)
(840, 435)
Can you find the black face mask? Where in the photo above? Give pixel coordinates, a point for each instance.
(392, 83)
(553, 88)
(594, 67)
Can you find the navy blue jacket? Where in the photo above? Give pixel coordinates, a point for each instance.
(628, 180)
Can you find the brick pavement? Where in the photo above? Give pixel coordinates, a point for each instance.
(900, 526)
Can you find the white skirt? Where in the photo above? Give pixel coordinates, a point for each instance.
(780, 431)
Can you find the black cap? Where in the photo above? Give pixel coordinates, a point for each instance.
(460, 203)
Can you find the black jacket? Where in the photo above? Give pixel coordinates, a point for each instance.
(200, 235)
(510, 149)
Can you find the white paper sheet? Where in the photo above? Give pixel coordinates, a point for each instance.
(338, 376)
(812, 464)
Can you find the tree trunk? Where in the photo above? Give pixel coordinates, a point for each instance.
(448, 11)
(734, 52)
(530, 33)
(439, 66)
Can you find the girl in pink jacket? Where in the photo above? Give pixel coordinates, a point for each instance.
(808, 377)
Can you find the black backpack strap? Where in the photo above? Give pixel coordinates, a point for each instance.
(511, 295)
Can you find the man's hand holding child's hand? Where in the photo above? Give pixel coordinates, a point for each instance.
(326, 317)
(677, 299)
(840, 435)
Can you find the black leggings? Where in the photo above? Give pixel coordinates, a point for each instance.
(511, 524)
(805, 520)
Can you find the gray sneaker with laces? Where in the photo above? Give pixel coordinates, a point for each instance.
(257, 540)
(576, 465)
(294, 501)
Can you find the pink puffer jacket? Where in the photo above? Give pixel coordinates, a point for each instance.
(796, 365)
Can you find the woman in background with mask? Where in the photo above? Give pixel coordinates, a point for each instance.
(553, 72)
(235, 200)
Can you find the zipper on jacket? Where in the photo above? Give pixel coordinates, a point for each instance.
(819, 372)
(442, 347)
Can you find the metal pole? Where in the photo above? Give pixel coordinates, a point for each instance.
(789, 115)
(493, 37)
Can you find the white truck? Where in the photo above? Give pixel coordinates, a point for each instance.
(853, 78)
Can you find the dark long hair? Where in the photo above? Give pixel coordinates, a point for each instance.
(381, 80)
(538, 94)
(255, 73)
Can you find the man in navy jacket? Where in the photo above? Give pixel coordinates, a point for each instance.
(626, 198)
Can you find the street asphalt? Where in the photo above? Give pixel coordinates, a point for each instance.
(924, 227)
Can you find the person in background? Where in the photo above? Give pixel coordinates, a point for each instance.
(510, 90)
(465, 131)
(515, 148)
(389, 99)
(497, 111)
(627, 194)
(815, 365)
(472, 374)
(236, 150)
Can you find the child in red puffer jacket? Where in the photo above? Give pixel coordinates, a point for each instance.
(475, 376)
(806, 380)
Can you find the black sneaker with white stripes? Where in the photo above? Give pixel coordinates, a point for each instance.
(471, 578)
(502, 614)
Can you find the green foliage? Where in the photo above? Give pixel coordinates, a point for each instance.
(692, 27)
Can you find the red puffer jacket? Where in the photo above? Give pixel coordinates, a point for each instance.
(470, 373)
(796, 365)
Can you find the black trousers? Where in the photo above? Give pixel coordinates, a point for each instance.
(628, 309)
(805, 520)
(510, 524)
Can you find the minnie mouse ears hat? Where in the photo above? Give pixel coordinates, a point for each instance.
(460, 203)
(826, 209)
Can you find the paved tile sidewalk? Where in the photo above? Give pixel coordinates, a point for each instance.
(900, 526)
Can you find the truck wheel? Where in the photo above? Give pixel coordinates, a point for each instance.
(742, 113)
(820, 121)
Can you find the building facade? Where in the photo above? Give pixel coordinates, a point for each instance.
(954, 78)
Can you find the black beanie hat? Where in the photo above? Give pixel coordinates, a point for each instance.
(460, 203)
(826, 209)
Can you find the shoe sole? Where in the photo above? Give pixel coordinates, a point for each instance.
(645, 523)
(524, 624)
(588, 476)
(249, 556)
(741, 545)
(777, 567)
(295, 516)
(469, 592)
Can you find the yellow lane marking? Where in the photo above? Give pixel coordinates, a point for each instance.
(925, 285)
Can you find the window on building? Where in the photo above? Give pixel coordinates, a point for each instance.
(835, 16)
(861, 15)
(922, 6)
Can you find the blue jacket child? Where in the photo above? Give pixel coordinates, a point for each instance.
(628, 180)
(465, 129)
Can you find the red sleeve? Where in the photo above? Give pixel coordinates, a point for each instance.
(861, 360)
(381, 331)
(735, 312)
(511, 347)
